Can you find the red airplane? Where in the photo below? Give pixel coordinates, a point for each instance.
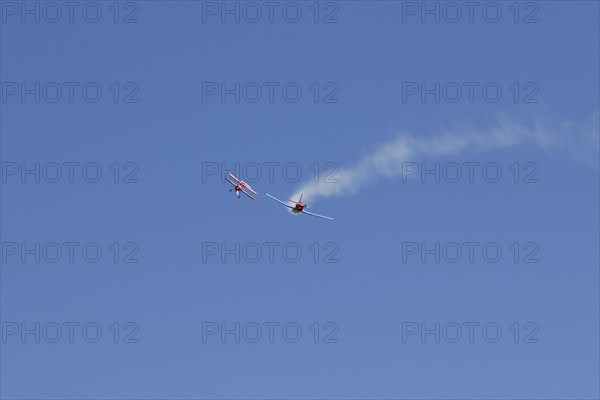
(299, 207)
(239, 186)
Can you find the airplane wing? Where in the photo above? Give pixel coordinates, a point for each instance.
(317, 215)
(287, 205)
(247, 194)
(231, 175)
(250, 189)
(230, 182)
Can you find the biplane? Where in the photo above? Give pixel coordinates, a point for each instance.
(239, 186)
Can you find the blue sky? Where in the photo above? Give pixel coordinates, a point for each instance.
(169, 212)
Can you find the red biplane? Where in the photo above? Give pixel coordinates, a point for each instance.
(239, 186)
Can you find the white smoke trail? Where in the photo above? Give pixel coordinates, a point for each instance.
(387, 161)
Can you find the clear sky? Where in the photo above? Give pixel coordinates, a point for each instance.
(162, 98)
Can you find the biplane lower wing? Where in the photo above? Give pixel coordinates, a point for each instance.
(227, 179)
(247, 194)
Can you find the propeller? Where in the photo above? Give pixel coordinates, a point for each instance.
(299, 201)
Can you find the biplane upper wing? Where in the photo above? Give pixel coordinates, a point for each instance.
(317, 215)
(276, 199)
(233, 176)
